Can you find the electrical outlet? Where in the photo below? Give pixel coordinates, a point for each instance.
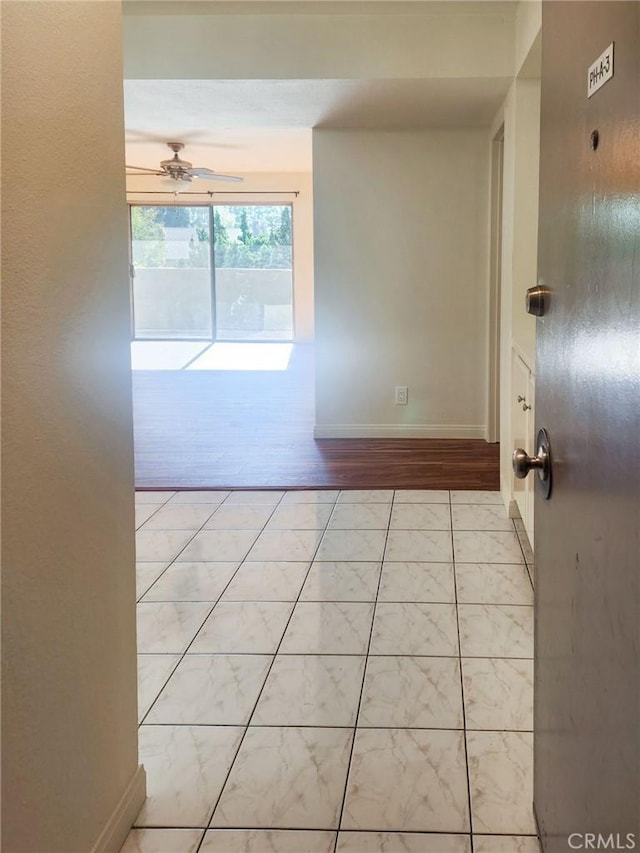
(402, 395)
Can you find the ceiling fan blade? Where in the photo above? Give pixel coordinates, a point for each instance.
(200, 172)
(144, 169)
(214, 176)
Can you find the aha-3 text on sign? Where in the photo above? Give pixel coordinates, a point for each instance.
(600, 71)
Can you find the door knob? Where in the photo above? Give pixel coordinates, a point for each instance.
(522, 463)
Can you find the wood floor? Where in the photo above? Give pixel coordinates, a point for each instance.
(246, 429)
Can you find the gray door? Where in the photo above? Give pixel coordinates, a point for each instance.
(587, 711)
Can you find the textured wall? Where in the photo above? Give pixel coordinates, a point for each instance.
(69, 742)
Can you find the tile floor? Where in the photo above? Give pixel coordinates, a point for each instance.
(333, 671)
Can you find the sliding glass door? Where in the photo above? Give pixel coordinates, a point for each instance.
(253, 272)
(171, 260)
(247, 295)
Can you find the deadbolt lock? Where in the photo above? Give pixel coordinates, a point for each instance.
(537, 301)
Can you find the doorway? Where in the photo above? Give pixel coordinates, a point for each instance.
(495, 285)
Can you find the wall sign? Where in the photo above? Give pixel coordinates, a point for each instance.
(600, 71)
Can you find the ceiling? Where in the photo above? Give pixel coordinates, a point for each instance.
(265, 125)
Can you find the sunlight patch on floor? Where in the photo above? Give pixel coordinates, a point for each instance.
(164, 355)
(200, 355)
(244, 357)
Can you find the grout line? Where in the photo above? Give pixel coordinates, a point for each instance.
(330, 654)
(320, 600)
(333, 726)
(364, 678)
(223, 829)
(464, 713)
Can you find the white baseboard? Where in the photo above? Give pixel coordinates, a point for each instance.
(400, 431)
(117, 827)
(513, 510)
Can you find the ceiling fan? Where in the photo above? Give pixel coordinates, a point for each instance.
(179, 173)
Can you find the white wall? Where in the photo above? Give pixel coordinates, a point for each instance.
(401, 237)
(69, 745)
(252, 191)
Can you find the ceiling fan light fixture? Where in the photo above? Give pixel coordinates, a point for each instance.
(175, 185)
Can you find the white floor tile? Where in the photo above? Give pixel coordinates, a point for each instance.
(482, 546)
(185, 517)
(415, 629)
(212, 690)
(144, 511)
(186, 769)
(417, 582)
(192, 582)
(412, 692)
(267, 841)
(302, 516)
(255, 497)
(498, 693)
(153, 672)
(501, 781)
(496, 630)
(398, 842)
(162, 841)
(146, 575)
(168, 627)
(293, 545)
(160, 545)
(219, 545)
(407, 516)
(339, 628)
(238, 517)
(506, 844)
(243, 627)
(348, 545)
(199, 497)
(351, 496)
(286, 777)
(341, 581)
(311, 496)
(421, 496)
(360, 516)
(480, 517)
(267, 581)
(459, 496)
(407, 780)
(157, 497)
(311, 690)
(493, 583)
(433, 546)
